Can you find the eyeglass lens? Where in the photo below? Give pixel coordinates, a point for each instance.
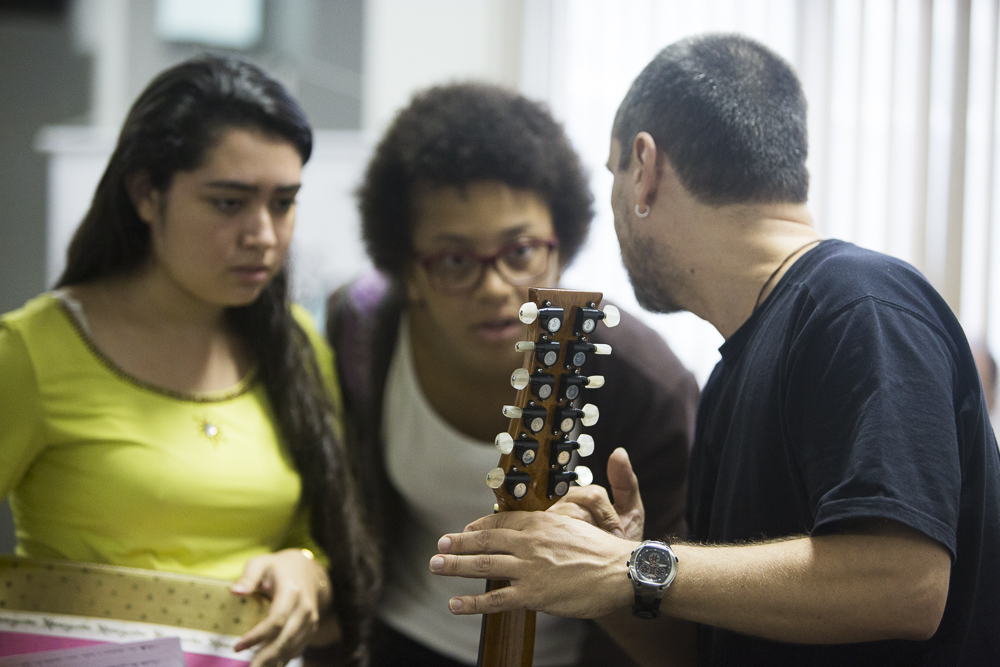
(519, 265)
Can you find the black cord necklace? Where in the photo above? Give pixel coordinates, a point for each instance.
(767, 282)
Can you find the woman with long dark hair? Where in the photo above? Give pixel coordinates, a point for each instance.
(166, 407)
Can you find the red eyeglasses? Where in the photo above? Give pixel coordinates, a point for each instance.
(458, 272)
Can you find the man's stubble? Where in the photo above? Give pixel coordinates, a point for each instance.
(649, 271)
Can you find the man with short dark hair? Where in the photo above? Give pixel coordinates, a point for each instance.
(844, 500)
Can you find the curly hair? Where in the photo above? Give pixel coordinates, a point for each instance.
(729, 114)
(459, 134)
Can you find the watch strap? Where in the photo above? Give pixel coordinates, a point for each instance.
(647, 604)
(648, 595)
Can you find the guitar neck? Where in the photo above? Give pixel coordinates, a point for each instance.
(533, 471)
(507, 639)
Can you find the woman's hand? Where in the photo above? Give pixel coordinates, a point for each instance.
(626, 518)
(299, 590)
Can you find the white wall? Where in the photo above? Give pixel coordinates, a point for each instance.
(413, 45)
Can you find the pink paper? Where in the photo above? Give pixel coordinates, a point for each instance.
(164, 652)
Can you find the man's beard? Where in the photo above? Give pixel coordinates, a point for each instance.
(641, 263)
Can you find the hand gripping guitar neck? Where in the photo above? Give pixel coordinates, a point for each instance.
(537, 450)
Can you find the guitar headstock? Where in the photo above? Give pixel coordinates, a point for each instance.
(537, 448)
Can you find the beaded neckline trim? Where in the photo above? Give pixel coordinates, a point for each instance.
(244, 385)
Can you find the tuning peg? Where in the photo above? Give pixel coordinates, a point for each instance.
(534, 418)
(568, 416)
(495, 478)
(541, 383)
(612, 316)
(516, 482)
(528, 312)
(526, 449)
(547, 351)
(562, 450)
(550, 319)
(579, 349)
(559, 481)
(571, 384)
(504, 443)
(587, 318)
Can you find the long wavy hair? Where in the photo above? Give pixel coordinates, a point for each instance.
(180, 116)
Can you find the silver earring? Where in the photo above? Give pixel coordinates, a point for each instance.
(641, 215)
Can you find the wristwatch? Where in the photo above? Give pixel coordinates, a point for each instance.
(652, 568)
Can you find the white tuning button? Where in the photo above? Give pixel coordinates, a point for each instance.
(590, 414)
(612, 316)
(504, 443)
(513, 412)
(583, 475)
(586, 443)
(520, 379)
(602, 348)
(525, 346)
(495, 478)
(528, 312)
(595, 382)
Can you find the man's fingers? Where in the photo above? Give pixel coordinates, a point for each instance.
(490, 540)
(624, 483)
(479, 566)
(501, 599)
(594, 500)
(511, 520)
(573, 511)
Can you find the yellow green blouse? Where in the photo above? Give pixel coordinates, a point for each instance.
(103, 468)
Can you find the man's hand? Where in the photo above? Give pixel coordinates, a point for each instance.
(299, 590)
(554, 563)
(625, 518)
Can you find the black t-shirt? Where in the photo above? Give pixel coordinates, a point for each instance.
(852, 393)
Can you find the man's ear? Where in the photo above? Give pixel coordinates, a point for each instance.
(146, 199)
(645, 169)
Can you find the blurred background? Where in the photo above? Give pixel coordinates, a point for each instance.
(903, 119)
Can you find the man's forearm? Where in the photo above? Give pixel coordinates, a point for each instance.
(834, 589)
(816, 590)
(883, 581)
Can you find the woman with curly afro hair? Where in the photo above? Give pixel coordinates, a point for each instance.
(473, 194)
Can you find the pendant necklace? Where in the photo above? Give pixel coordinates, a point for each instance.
(767, 282)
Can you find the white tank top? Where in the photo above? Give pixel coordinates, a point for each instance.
(441, 475)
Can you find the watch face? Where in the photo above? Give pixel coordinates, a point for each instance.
(652, 565)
